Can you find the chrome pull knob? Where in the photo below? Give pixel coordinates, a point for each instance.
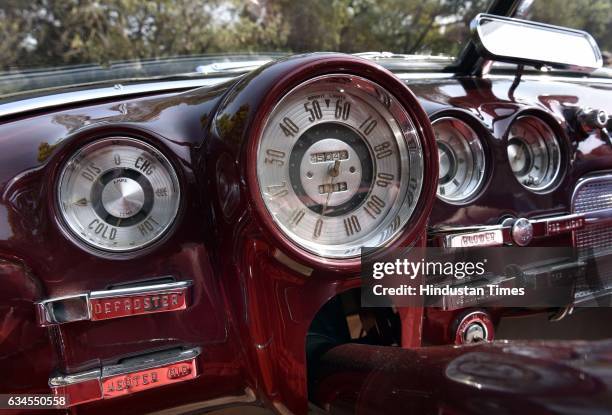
(592, 119)
(127, 377)
(115, 303)
(520, 230)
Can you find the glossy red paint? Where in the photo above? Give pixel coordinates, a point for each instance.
(30, 233)
(522, 377)
(251, 311)
(489, 108)
(280, 79)
(23, 344)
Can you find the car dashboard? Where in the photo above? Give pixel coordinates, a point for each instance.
(188, 238)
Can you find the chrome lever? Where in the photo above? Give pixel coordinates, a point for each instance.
(127, 377)
(519, 232)
(114, 303)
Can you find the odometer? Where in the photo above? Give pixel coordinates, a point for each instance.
(339, 165)
(118, 195)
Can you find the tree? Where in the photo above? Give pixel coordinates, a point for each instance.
(51, 33)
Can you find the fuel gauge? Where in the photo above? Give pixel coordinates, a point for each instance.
(118, 195)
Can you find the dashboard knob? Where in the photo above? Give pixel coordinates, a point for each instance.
(522, 232)
(591, 118)
(472, 326)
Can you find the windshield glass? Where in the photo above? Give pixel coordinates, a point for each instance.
(50, 44)
(91, 41)
(592, 16)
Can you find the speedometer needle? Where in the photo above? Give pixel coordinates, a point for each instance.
(333, 172)
(81, 202)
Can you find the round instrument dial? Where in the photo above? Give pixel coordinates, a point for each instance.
(339, 165)
(534, 153)
(462, 160)
(118, 194)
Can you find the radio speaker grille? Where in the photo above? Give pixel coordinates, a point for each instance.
(594, 193)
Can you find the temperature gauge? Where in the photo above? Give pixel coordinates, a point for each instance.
(118, 194)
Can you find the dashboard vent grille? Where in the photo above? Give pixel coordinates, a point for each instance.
(594, 193)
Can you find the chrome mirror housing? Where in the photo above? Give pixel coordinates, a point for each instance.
(519, 41)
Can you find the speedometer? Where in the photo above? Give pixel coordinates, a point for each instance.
(339, 165)
(118, 194)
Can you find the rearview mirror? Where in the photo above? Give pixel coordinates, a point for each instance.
(524, 42)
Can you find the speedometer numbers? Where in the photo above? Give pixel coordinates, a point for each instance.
(339, 165)
(118, 195)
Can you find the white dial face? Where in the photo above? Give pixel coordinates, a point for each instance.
(339, 165)
(534, 153)
(118, 194)
(462, 160)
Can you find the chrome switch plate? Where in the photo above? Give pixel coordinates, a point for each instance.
(115, 303)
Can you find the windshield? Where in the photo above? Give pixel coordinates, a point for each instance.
(89, 41)
(592, 16)
(47, 44)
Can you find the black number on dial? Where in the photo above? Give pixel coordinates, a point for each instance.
(277, 190)
(289, 127)
(318, 228)
(343, 110)
(275, 157)
(315, 111)
(374, 206)
(352, 225)
(368, 125)
(384, 179)
(383, 150)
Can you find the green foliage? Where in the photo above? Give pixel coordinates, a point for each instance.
(593, 16)
(66, 32)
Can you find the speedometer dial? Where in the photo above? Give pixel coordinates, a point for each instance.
(534, 153)
(339, 165)
(462, 160)
(118, 194)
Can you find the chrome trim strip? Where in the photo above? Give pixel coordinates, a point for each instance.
(599, 217)
(149, 361)
(498, 235)
(63, 310)
(132, 375)
(122, 302)
(65, 380)
(119, 90)
(143, 290)
(229, 67)
(481, 238)
(554, 78)
(116, 91)
(408, 76)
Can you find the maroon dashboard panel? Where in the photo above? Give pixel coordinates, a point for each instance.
(250, 303)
